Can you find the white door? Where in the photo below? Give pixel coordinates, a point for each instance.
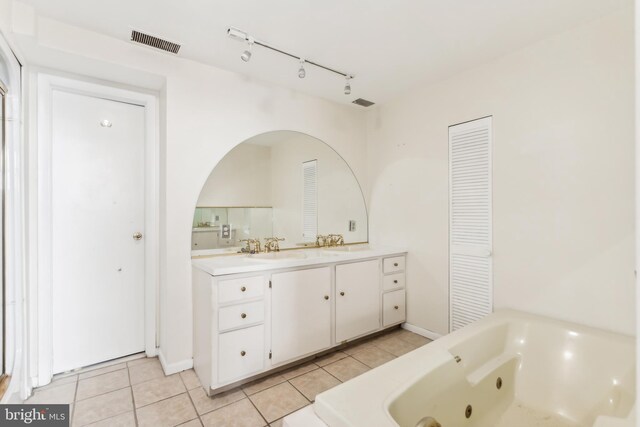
(357, 299)
(97, 209)
(470, 243)
(300, 313)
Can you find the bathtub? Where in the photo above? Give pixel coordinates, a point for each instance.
(510, 369)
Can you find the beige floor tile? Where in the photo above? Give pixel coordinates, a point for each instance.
(127, 419)
(414, 339)
(150, 392)
(346, 369)
(149, 370)
(57, 382)
(190, 379)
(263, 384)
(55, 395)
(101, 407)
(353, 349)
(277, 423)
(330, 358)
(206, 404)
(141, 360)
(169, 412)
(314, 382)
(101, 371)
(192, 423)
(396, 346)
(238, 414)
(278, 401)
(299, 370)
(102, 384)
(373, 356)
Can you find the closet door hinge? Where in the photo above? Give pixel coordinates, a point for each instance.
(270, 354)
(269, 284)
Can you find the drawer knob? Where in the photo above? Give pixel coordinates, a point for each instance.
(395, 281)
(326, 297)
(244, 288)
(243, 315)
(396, 307)
(395, 264)
(242, 353)
(341, 293)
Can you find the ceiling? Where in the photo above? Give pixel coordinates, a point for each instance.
(389, 45)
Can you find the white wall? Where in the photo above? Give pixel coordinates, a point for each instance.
(205, 113)
(562, 169)
(242, 178)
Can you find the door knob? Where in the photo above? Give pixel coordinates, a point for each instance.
(243, 315)
(342, 293)
(326, 297)
(137, 236)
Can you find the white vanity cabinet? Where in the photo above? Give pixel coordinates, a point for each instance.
(251, 318)
(300, 313)
(357, 299)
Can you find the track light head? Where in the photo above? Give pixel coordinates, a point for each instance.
(347, 86)
(246, 55)
(302, 73)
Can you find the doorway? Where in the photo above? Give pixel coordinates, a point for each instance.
(97, 224)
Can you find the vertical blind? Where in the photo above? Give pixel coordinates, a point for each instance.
(470, 243)
(310, 201)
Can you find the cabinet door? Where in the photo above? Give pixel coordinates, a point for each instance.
(300, 313)
(357, 299)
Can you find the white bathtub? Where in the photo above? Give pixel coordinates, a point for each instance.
(551, 373)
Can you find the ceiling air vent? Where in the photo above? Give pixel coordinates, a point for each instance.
(158, 43)
(363, 102)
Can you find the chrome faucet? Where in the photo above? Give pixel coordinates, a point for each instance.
(271, 244)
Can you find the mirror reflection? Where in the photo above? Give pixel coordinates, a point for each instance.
(281, 185)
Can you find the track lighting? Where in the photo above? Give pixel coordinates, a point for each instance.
(347, 86)
(246, 55)
(240, 35)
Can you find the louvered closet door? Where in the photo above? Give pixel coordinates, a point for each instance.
(470, 265)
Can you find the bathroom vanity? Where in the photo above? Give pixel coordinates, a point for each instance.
(257, 313)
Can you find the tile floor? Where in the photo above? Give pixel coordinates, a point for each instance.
(137, 393)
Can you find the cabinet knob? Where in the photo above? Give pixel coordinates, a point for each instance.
(395, 281)
(395, 264)
(242, 353)
(243, 288)
(341, 293)
(243, 315)
(326, 297)
(396, 307)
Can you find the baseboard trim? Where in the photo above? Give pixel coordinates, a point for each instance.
(174, 368)
(421, 331)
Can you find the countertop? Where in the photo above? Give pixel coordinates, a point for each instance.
(235, 264)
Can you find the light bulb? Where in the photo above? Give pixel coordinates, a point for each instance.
(347, 87)
(302, 72)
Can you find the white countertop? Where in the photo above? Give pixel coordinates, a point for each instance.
(234, 264)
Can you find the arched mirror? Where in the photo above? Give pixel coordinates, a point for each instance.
(280, 184)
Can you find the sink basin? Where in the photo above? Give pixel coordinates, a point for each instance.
(347, 249)
(277, 256)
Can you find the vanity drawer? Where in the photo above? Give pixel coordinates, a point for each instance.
(393, 307)
(240, 315)
(391, 265)
(393, 281)
(241, 353)
(239, 289)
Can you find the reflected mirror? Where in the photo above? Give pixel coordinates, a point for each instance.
(280, 184)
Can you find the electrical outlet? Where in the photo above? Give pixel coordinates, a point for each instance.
(225, 231)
